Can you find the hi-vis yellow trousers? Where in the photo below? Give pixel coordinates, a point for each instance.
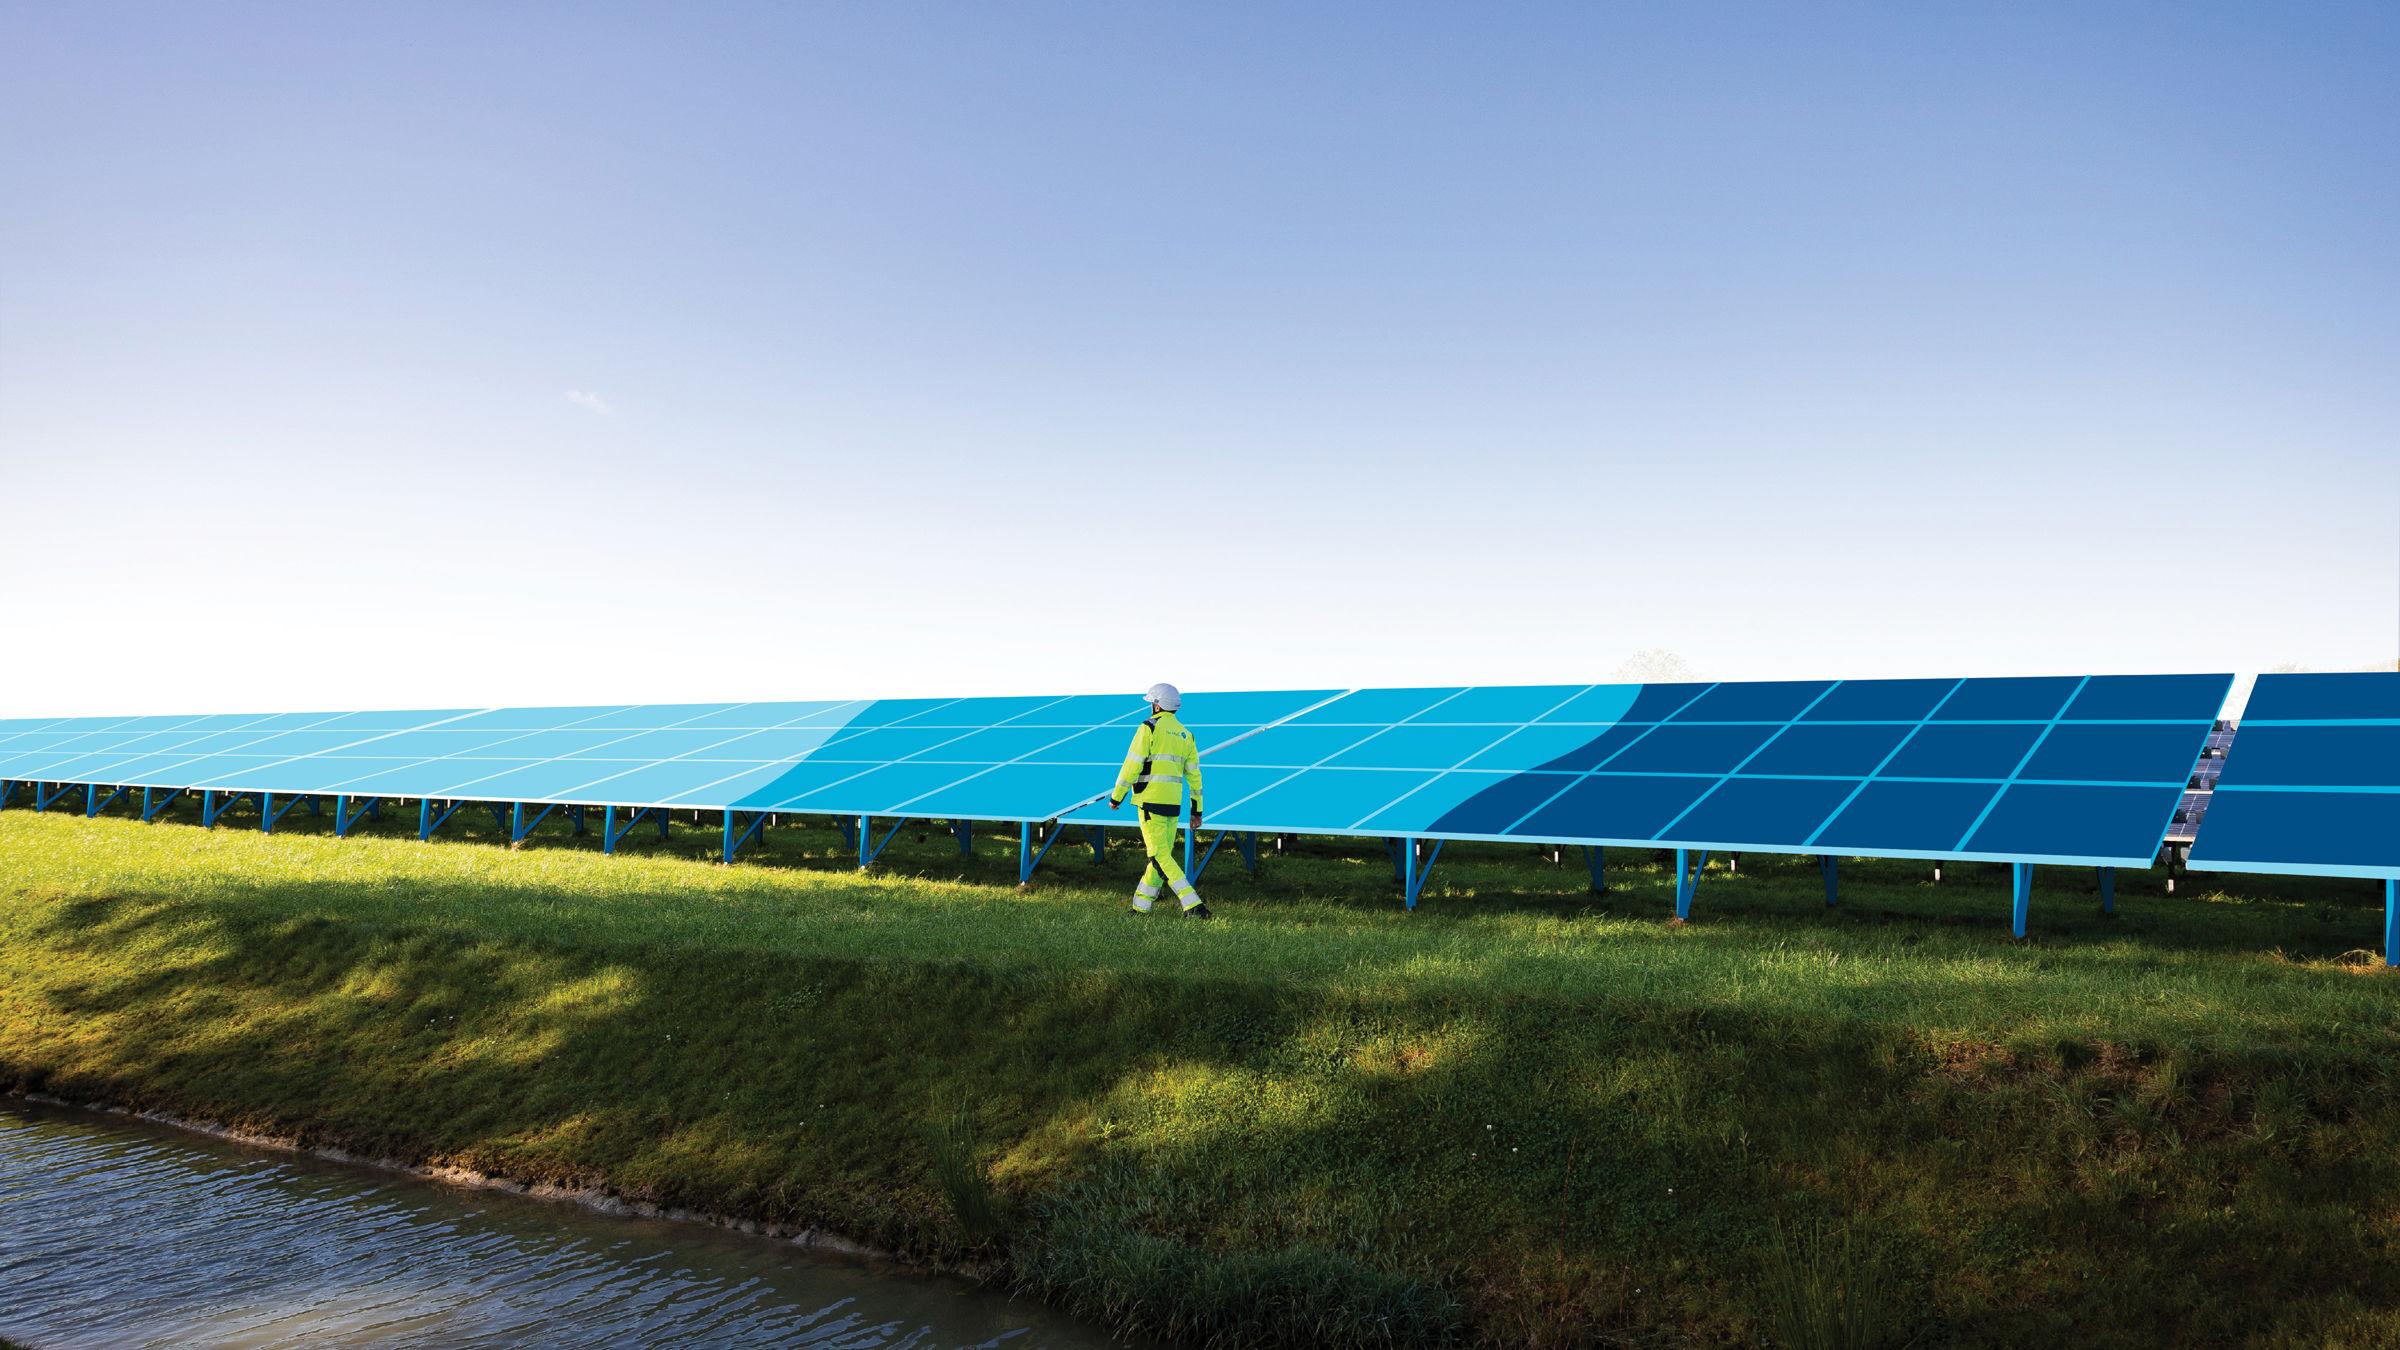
(1159, 838)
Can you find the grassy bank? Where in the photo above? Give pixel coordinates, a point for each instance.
(1519, 1115)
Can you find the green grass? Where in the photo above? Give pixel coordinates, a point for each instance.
(1520, 1115)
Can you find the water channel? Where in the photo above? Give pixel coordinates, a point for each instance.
(121, 1232)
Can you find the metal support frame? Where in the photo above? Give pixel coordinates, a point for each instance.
(211, 812)
(428, 822)
(965, 830)
(8, 790)
(1244, 844)
(611, 836)
(1098, 835)
(519, 826)
(499, 816)
(43, 801)
(1413, 874)
(1687, 880)
(2108, 890)
(575, 813)
(2391, 921)
(1595, 858)
(1027, 858)
(868, 849)
(153, 810)
(269, 817)
(346, 820)
(1833, 878)
(2021, 890)
(94, 804)
(734, 839)
(849, 828)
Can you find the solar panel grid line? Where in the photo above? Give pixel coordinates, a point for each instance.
(901, 808)
(1667, 831)
(462, 717)
(735, 734)
(569, 794)
(1519, 822)
(454, 717)
(1084, 731)
(1321, 763)
(2310, 784)
(1361, 822)
(2027, 758)
(1886, 762)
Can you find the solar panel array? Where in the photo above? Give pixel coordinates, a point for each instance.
(2065, 769)
(2085, 770)
(2313, 788)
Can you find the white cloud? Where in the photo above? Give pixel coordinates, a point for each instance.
(582, 398)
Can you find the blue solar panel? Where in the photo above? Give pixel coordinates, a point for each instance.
(2060, 769)
(2311, 785)
(2063, 769)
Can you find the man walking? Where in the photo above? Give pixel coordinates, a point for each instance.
(1164, 757)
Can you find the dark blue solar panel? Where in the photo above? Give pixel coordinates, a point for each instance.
(1695, 749)
(2314, 799)
(1840, 751)
(1760, 812)
(2096, 753)
(1880, 701)
(1966, 750)
(2174, 698)
(2035, 819)
(2373, 696)
(1905, 818)
(2008, 700)
(1761, 701)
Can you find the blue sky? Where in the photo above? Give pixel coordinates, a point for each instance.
(458, 354)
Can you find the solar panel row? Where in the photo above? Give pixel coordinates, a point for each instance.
(2070, 769)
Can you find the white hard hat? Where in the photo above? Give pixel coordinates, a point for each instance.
(1165, 696)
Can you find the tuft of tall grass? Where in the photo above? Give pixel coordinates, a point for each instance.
(1820, 1290)
(950, 1138)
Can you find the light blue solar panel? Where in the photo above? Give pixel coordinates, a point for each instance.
(1099, 746)
(877, 745)
(1247, 708)
(969, 713)
(1410, 747)
(2310, 783)
(1082, 710)
(1290, 746)
(755, 716)
(1423, 809)
(995, 745)
(703, 785)
(1328, 799)
(1376, 707)
(530, 781)
(393, 721)
(530, 719)
(878, 790)
(657, 717)
(1500, 705)
(1002, 793)
(1561, 746)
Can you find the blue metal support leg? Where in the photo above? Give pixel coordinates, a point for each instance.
(1833, 879)
(1248, 844)
(1195, 873)
(849, 832)
(1596, 858)
(499, 816)
(519, 827)
(1099, 839)
(737, 834)
(44, 801)
(611, 836)
(1412, 879)
(1027, 857)
(94, 803)
(8, 790)
(2391, 921)
(2021, 883)
(429, 820)
(212, 810)
(344, 819)
(868, 849)
(965, 830)
(269, 817)
(152, 810)
(575, 813)
(2108, 890)
(1687, 879)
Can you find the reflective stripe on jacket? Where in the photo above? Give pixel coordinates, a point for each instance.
(1162, 759)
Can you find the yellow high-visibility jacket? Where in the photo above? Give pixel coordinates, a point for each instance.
(1163, 759)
